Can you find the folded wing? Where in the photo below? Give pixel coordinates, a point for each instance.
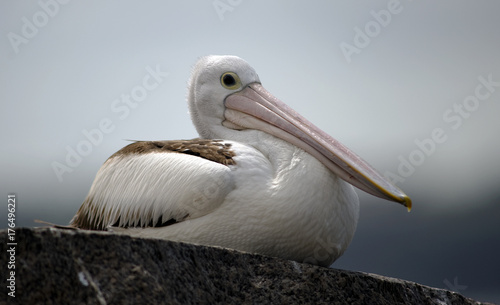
(158, 183)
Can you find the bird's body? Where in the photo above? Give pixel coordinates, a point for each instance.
(252, 189)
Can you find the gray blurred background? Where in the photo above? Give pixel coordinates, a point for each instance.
(380, 76)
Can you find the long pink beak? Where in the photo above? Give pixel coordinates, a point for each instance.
(254, 107)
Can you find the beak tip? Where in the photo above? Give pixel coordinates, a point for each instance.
(406, 201)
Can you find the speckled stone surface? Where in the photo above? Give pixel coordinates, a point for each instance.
(57, 266)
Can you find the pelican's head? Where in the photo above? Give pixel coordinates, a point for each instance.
(225, 96)
(212, 80)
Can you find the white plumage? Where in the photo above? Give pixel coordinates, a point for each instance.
(267, 183)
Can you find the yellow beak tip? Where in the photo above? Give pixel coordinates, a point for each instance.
(406, 201)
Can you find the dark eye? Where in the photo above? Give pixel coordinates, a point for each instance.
(230, 80)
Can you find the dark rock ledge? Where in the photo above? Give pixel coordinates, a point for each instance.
(58, 266)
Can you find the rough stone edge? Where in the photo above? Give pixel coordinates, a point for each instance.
(442, 294)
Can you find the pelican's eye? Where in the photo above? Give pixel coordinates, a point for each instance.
(230, 80)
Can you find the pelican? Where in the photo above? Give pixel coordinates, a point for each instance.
(260, 178)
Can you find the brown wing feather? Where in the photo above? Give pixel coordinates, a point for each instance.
(89, 216)
(213, 150)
